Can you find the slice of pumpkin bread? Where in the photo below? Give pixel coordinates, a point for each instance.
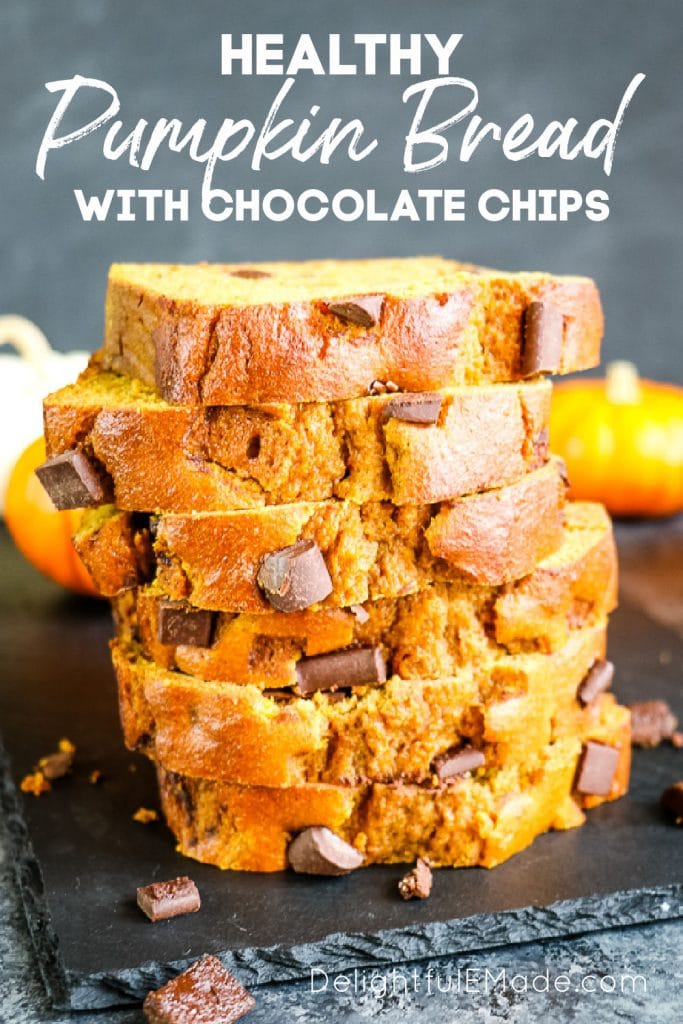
(413, 449)
(428, 634)
(478, 818)
(334, 553)
(230, 334)
(502, 705)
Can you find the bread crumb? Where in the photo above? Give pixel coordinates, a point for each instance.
(35, 783)
(144, 815)
(417, 883)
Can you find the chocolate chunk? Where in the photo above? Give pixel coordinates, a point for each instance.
(456, 761)
(542, 345)
(597, 768)
(162, 900)
(651, 722)
(203, 994)
(278, 694)
(671, 802)
(414, 408)
(364, 310)
(294, 577)
(180, 623)
(74, 480)
(56, 766)
(354, 666)
(319, 851)
(335, 696)
(250, 273)
(417, 883)
(598, 680)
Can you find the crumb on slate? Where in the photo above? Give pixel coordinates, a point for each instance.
(417, 883)
(48, 768)
(145, 815)
(35, 783)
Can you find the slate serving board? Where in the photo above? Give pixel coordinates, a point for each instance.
(79, 856)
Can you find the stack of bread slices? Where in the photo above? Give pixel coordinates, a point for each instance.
(349, 591)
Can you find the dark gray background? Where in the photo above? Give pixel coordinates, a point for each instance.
(554, 58)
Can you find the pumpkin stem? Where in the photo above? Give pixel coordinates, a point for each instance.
(623, 383)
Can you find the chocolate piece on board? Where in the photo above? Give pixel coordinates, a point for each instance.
(671, 802)
(74, 480)
(363, 310)
(203, 994)
(180, 623)
(294, 577)
(162, 900)
(57, 765)
(543, 333)
(414, 408)
(457, 761)
(417, 883)
(354, 666)
(597, 768)
(598, 679)
(319, 851)
(651, 722)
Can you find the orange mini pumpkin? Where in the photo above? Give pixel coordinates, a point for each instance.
(42, 534)
(622, 441)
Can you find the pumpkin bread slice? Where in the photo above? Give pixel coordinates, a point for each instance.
(170, 458)
(215, 560)
(502, 705)
(228, 334)
(433, 632)
(480, 818)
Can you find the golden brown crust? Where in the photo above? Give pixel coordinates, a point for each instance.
(479, 819)
(432, 633)
(502, 705)
(203, 336)
(169, 458)
(115, 549)
(371, 551)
